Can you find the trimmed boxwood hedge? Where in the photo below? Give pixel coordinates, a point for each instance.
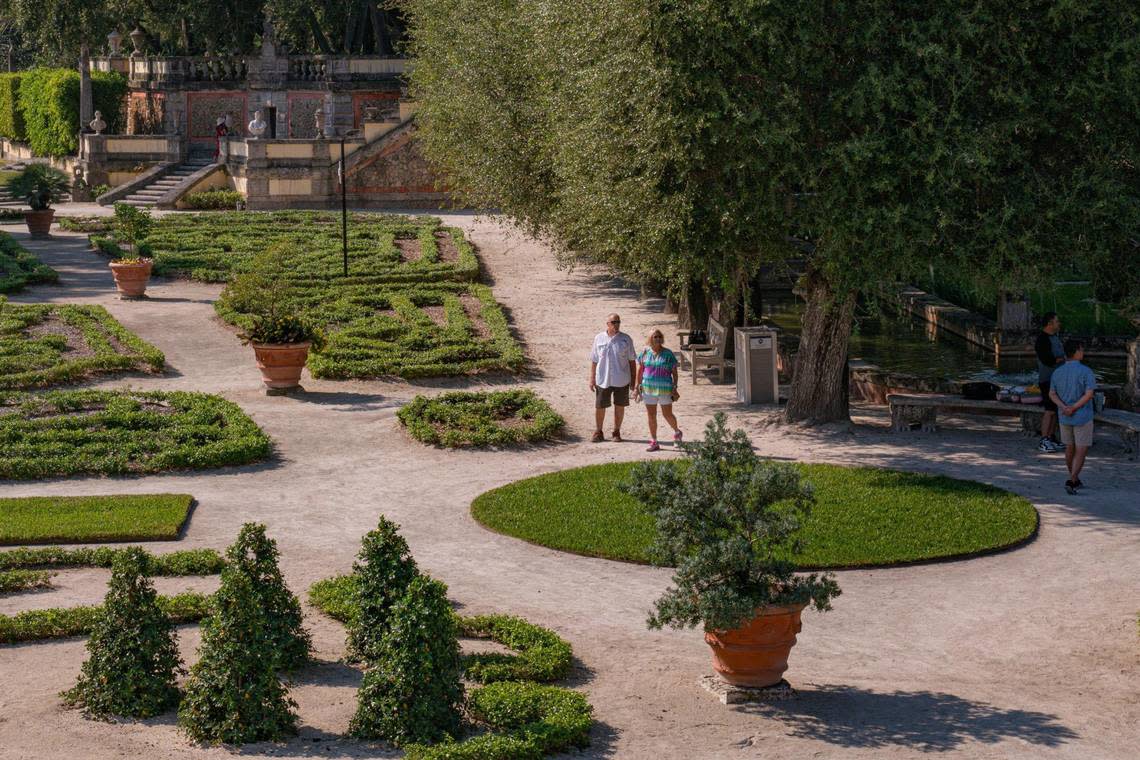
(49, 104)
(471, 418)
(19, 268)
(12, 581)
(31, 358)
(11, 120)
(88, 432)
(184, 562)
(60, 622)
(218, 199)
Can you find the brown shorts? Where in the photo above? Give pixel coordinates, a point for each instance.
(1080, 436)
(603, 397)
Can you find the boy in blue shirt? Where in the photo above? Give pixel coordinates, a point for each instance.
(1072, 389)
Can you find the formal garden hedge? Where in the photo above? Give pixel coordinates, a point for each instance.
(48, 344)
(217, 199)
(410, 305)
(83, 223)
(18, 268)
(11, 120)
(88, 432)
(471, 418)
(184, 562)
(90, 519)
(61, 622)
(49, 104)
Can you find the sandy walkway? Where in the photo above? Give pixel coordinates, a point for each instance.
(1029, 654)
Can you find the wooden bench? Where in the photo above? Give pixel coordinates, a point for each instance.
(711, 354)
(910, 411)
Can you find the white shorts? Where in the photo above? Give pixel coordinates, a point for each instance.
(651, 400)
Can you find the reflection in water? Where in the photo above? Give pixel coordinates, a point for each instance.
(917, 347)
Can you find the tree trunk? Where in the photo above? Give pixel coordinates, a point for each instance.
(819, 389)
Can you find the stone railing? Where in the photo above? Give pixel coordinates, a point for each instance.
(239, 69)
(137, 148)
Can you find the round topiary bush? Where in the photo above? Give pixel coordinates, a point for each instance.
(469, 418)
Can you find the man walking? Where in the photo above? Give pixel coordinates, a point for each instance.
(611, 372)
(1050, 355)
(1073, 388)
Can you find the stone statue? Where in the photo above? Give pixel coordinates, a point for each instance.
(97, 124)
(319, 117)
(257, 126)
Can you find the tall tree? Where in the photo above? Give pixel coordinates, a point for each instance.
(699, 140)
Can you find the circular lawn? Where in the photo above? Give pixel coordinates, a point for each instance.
(863, 517)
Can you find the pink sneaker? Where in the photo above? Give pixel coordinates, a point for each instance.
(653, 446)
(677, 437)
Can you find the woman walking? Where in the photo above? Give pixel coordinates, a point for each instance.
(657, 385)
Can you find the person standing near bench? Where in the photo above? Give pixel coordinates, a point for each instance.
(1073, 388)
(611, 372)
(1050, 356)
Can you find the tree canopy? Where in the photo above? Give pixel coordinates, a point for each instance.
(698, 140)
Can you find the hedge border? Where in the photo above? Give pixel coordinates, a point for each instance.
(14, 581)
(19, 268)
(423, 414)
(62, 622)
(177, 563)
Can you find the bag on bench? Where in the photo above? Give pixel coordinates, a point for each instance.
(980, 391)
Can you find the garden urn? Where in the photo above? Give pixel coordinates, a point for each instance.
(39, 222)
(756, 654)
(281, 364)
(131, 277)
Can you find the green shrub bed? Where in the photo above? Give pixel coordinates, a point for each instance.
(18, 268)
(218, 199)
(466, 418)
(185, 562)
(85, 223)
(48, 344)
(520, 718)
(61, 622)
(862, 517)
(409, 307)
(92, 519)
(61, 433)
(12, 581)
(49, 104)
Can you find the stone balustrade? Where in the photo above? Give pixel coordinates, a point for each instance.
(165, 71)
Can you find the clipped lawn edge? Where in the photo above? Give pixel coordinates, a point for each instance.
(117, 538)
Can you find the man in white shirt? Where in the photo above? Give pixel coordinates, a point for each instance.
(612, 366)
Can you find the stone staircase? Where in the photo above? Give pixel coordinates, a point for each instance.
(7, 201)
(150, 194)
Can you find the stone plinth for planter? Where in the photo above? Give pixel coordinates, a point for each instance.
(131, 278)
(756, 654)
(39, 222)
(281, 365)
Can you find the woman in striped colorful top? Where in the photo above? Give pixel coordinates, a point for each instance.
(656, 385)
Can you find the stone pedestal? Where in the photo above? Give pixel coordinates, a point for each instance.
(730, 694)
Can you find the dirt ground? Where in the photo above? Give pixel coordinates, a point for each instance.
(1032, 653)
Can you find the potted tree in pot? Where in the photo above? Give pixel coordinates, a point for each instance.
(131, 272)
(40, 185)
(281, 336)
(729, 521)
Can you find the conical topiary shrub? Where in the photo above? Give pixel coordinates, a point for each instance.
(384, 569)
(254, 555)
(132, 655)
(412, 692)
(234, 695)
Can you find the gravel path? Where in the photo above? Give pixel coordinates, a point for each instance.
(1032, 653)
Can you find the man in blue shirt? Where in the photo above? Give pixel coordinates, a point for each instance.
(1072, 389)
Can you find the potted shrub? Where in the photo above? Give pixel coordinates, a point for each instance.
(281, 337)
(131, 227)
(730, 523)
(40, 186)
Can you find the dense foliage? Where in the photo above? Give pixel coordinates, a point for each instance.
(11, 120)
(89, 519)
(184, 562)
(12, 581)
(61, 433)
(83, 223)
(411, 692)
(132, 225)
(49, 103)
(132, 654)
(218, 199)
(731, 523)
(473, 418)
(19, 268)
(254, 555)
(61, 622)
(39, 185)
(698, 141)
(233, 695)
(384, 570)
(48, 344)
(264, 295)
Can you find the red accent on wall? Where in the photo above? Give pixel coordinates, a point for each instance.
(359, 99)
(203, 109)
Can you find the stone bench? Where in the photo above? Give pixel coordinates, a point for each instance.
(909, 411)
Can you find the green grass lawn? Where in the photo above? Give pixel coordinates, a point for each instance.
(862, 517)
(48, 344)
(90, 519)
(410, 306)
(89, 432)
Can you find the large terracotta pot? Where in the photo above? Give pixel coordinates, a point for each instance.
(281, 364)
(756, 654)
(131, 277)
(39, 222)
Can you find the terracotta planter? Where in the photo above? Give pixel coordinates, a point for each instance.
(756, 654)
(39, 222)
(131, 278)
(281, 364)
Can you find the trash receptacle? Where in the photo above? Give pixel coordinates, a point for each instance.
(757, 381)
